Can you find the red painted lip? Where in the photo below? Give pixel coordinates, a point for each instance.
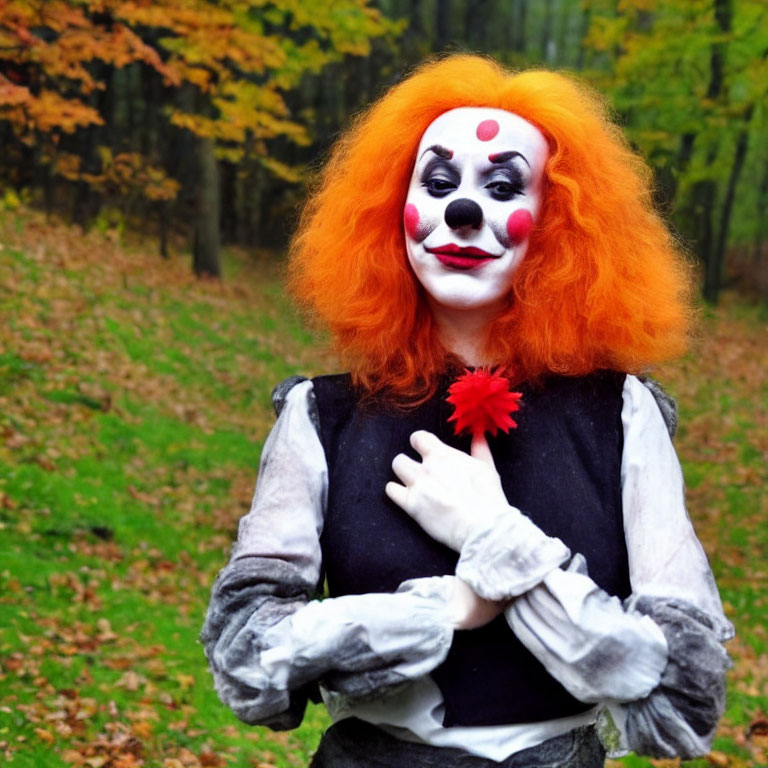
(456, 257)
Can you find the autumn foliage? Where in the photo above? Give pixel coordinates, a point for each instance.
(218, 69)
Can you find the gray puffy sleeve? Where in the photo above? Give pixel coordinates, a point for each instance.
(679, 717)
(656, 662)
(673, 585)
(267, 641)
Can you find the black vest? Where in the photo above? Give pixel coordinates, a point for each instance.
(561, 467)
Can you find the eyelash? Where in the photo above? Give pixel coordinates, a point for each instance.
(514, 189)
(437, 187)
(499, 189)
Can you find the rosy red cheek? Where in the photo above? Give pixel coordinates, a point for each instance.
(519, 225)
(411, 221)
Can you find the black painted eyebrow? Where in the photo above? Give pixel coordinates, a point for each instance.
(440, 151)
(503, 157)
(444, 164)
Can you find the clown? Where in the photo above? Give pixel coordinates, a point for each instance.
(477, 190)
(536, 599)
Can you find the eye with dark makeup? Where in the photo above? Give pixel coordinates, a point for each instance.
(506, 185)
(440, 178)
(438, 187)
(504, 190)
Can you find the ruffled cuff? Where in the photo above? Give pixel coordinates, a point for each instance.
(586, 640)
(508, 555)
(680, 716)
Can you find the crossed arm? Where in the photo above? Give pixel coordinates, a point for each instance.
(267, 643)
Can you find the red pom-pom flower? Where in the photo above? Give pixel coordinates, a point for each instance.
(483, 403)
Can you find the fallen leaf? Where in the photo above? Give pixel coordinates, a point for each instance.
(44, 735)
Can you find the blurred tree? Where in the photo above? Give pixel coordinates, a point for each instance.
(216, 69)
(141, 104)
(50, 56)
(690, 78)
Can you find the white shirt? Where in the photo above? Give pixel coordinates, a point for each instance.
(561, 616)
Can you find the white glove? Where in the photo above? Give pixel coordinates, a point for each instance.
(449, 492)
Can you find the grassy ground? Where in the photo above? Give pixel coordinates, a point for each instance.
(133, 403)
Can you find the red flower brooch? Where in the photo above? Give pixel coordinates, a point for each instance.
(483, 403)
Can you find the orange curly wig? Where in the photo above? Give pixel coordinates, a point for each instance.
(603, 284)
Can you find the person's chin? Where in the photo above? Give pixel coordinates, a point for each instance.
(463, 301)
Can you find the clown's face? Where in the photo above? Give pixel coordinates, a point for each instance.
(474, 196)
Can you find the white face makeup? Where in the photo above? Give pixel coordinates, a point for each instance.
(472, 201)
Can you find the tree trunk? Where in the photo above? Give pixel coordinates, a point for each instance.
(164, 215)
(81, 200)
(518, 26)
(704, 196)
(547, 42)
(684, 155)
(475, 22)
(723, 16)
(700, 211)
(584, 24)
(707, 251)
(563, 27)
(228, 203)
(443, 18)
(762, 217)
(714, 273)
(205, 255)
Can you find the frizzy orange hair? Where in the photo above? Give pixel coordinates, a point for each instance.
(603, 284)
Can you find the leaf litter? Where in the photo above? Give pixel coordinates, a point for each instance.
(133, 401)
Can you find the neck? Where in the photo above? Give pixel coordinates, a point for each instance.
(463, 331)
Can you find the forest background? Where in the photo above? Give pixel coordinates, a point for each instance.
(153, 156)
(207, 118)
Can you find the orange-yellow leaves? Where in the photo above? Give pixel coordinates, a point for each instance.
(629, 6)
(127, 174)
(281, 170)
(606, 33)
(12, 95)
(235, 70)
(67, 165)
(49, 110)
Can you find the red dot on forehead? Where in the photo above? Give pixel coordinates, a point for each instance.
(411, 221)
(519, 225)
(487, 130)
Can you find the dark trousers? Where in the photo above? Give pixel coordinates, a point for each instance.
(352, 743)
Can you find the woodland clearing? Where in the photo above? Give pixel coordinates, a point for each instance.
(134, 399)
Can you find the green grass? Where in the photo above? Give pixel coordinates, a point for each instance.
(132, 417)
(133, 404)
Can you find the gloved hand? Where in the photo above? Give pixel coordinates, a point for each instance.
(448, 492)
